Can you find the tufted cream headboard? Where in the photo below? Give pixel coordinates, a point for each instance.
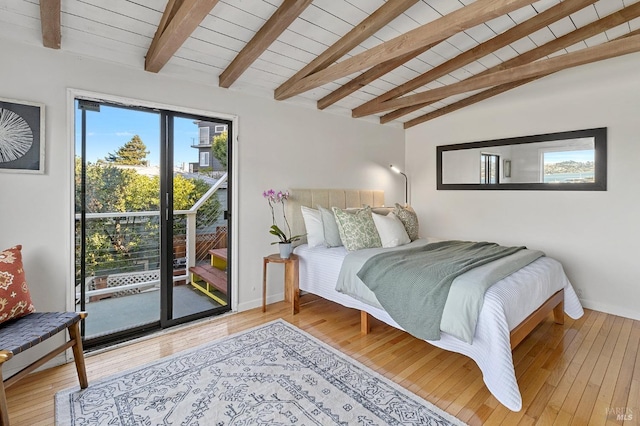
(342, 198)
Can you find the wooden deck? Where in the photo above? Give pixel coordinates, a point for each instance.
(575, 373)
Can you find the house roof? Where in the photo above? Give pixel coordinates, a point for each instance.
(399, 61)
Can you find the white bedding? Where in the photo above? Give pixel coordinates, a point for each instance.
(507, 304)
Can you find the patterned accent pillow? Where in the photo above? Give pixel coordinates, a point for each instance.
(15, 299)
(409, 219)
(357, 229)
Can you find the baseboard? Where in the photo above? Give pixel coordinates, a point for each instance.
(257, 303)
(608, 309)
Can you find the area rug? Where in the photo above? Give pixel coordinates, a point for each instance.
(274, 374)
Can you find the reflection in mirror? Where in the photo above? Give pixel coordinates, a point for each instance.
(558, 161)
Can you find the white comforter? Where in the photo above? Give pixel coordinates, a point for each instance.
(506, 304)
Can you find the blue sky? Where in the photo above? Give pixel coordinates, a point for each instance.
(111, 128)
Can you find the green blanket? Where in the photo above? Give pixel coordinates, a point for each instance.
(412, 285)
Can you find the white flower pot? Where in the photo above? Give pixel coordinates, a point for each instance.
(285, 250)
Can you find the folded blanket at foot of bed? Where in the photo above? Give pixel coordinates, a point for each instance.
(413, 285)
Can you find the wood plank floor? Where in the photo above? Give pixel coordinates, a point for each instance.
(584, 372)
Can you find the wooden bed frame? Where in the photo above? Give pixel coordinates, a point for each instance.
(553, 304)
(344, 198)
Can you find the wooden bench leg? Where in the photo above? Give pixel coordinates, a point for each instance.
(4, 412)
(78, 354)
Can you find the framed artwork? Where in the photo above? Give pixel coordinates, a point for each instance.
(21, 136)
(507, 168)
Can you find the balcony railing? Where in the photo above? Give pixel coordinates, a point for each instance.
(123, 248)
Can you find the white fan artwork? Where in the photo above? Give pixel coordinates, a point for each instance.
(16, 136)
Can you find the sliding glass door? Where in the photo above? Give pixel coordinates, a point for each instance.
(151, 230)
(197, 207)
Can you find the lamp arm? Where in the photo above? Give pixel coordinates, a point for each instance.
(406, 183)
(406, 188)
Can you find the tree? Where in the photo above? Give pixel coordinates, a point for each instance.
(132, 153)
(186, 192)
(219, 148)
(116, 243)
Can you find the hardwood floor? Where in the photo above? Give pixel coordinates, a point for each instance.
(583, 372)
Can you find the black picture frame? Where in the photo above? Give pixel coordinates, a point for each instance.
(599, 136)
(22, 142)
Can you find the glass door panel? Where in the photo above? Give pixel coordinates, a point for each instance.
(117, 219)
(200, 281)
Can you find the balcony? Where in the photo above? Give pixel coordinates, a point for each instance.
(121, 284)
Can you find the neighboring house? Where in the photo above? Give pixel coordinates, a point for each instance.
(141, 170)
(208, 131)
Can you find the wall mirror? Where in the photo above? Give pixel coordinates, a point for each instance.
(566, 161)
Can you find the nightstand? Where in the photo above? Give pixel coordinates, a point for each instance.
(291, 283)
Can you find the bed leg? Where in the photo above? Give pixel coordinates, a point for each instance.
(558, 312)
(365, 325)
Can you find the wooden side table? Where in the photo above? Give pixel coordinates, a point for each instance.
(291, 283)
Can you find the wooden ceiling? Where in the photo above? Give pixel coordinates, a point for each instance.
(399, 61)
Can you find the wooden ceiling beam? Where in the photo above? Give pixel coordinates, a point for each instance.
(180, 19)
(527, 27)
(368, 76)
(169, 12)
(369, 26)
(466, 17)
(480, 97)
(50, 23)
(288, 11)
(468, 101)
(608, 50)
(583, 33)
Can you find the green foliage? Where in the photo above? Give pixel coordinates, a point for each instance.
(115, 243)
(219, 148)
(186, 192)
(275, 230)
(132, 153)
(569, 166)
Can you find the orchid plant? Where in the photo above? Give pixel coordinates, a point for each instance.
(275, 198)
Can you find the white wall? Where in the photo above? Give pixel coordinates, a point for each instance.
(279, 146)
(594, 234)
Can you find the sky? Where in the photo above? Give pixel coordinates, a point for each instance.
(112, 127)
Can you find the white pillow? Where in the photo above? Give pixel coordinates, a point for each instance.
(391, 230)
(313, 225)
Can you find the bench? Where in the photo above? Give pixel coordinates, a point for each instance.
(20, 334)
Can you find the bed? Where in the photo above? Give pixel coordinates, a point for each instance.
(512, 307)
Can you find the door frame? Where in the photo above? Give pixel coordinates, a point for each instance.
(72, 94)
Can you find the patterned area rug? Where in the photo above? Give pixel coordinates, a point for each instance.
(274, 374)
